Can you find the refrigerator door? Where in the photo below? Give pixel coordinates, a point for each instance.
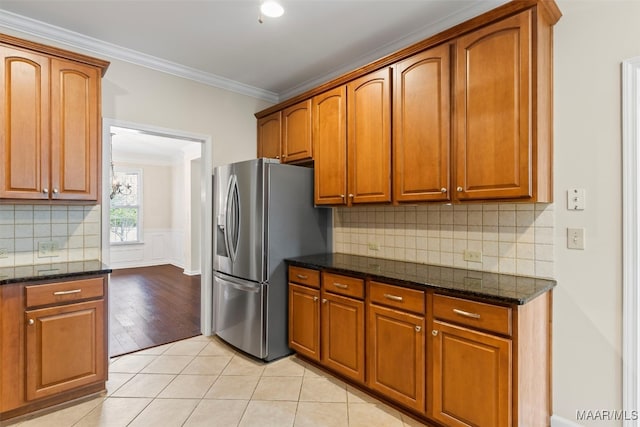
(239, 216)
(240, 313)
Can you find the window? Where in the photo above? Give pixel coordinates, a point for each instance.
(125, 216)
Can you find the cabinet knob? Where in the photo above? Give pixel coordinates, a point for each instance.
(342, 196)
(459, 189)
(351, 196)
(443, 190)
(277, 157)
(434, 333)
(315, 298)
(31, 322)
(418, 328)
(45, 191)
(324, 300)
(55, 191)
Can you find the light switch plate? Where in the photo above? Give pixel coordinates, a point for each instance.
(575, 238)
(576, 199)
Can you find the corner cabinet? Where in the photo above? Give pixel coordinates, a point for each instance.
(54, 343)
(50, 140)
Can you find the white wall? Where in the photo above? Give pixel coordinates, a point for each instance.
(591, 41)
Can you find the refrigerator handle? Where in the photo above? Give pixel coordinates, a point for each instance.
(232, 218)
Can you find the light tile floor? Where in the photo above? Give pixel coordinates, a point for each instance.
(201, 381)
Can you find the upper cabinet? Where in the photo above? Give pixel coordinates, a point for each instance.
(50, 139)
(269, 135)
(296, 132)
(472, 117)
(422, 127)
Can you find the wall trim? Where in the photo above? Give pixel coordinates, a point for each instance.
(630, 238)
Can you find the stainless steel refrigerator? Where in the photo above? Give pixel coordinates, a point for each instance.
(263, 213)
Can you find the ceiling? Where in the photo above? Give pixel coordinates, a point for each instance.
(221, 42)
(134, 146)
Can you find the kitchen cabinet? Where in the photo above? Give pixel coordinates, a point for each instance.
(422, 126)
(343, 328)
(269, 135)
(396, 344)
(472, 369)
(503, 108)
(304, 312)
(296, 133)
(54, 342)
(330, 146)
(369, 138)
(50, 109)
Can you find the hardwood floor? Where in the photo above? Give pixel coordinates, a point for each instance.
(150, 306)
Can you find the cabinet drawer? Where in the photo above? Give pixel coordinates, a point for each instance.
(304, 276)
(478, 315)
(397, 297)
(64, 292)
(343, 285)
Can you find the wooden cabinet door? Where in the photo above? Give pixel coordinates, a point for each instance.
(330, 147)
(493, 111)
(396, 355)
(75, 131)
(296, 133)
(269, 136)
(24, 127)
(65, 348)
(343, 335)
(421, 127)
(471, 377)
(304, 320)
(369, 137)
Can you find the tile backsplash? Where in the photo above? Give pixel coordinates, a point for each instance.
(512, 238)
(38, 234)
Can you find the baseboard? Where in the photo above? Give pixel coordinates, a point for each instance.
(192, 272)
(135, 264)
(557, 421)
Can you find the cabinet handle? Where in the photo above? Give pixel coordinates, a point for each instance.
(466, 313)
(73, 291)
(459, 189)
(434, 333)
(315, 298)
(31, 322)
(302, 276)
(55, 191)
(443, 190)
(340, 285)
(393, 297)
(418, 328)
(45, 191)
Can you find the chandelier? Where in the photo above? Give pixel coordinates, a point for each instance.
(117, 187)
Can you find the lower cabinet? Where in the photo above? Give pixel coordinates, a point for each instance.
(471, 377)
(304, 321)
(53, 343)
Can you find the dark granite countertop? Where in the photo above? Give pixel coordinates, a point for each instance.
(59, 270)
(501, 288)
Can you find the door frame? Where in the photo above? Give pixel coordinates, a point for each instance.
(630, 238)
(206, 172)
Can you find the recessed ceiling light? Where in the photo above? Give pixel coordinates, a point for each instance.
(271, 8)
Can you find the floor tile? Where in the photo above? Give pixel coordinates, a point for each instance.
(269, 414)
(242, 365)
(164, 364)
(144, 385)
(217, 413)
(317, 389)
(207, 365)
(372, 414)
(114, 412)
(157, 350)
(186, 348)
(278, 388)
(286, 367)
(131, 363)
(66, 417)
(117, 380)
(165, 413)
(217, 348)
(357, 396)
(326, 414)
(233, 387)
(188, 386)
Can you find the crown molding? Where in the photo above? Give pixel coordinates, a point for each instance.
(72, 39)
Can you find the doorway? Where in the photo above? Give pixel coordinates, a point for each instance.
(202, 214)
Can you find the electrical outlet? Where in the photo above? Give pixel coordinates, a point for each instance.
(48, 249)
(4, 253)
(472, 256)
(374, 247)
